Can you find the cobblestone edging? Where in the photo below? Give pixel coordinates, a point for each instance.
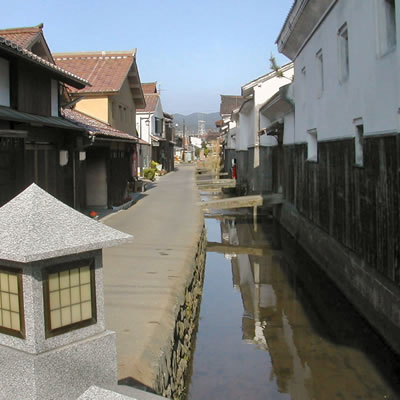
(170, 381)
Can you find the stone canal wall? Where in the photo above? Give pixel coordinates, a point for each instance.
(374, 296)
(175, 357)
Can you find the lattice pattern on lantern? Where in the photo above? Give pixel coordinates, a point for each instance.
(10, 317)
(70, 298)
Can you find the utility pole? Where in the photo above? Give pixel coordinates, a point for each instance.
(184, 144)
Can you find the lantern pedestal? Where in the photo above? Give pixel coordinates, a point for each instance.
(62, 373)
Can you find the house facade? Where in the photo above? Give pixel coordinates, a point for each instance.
(156, 127)
(36, 143)
(253, 153)
(341, 148)
(112, 99)
(168, 145)
(228, 128)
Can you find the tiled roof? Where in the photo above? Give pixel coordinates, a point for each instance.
(106, 71)
(141, 141)
(9, 114)
(94, 126)
(168, 116)
(151, 103)
(229, 103)
(149, 87)
(22, 36)
(13, 48)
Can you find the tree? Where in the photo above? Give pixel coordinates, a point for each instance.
(277, 69)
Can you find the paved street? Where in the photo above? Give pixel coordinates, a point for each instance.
(144, 279)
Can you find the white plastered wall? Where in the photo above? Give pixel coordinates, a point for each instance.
(371, 90)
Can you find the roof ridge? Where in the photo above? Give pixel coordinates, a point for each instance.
(27, 29)
(270, 75)
(95, 54)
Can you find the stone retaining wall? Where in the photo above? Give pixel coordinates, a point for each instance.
(174, 361)
(372, 294)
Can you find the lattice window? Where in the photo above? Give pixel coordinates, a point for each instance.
(11, 303)
(70, 298)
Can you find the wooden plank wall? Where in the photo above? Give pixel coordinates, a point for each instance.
(119, 172)
(359, 207)
(11, 168)
(34, 90)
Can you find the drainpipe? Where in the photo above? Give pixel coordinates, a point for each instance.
(256, 138)
(74, 176)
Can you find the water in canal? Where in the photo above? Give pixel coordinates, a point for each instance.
(273, 327)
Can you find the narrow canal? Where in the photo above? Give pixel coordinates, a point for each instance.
(272, 326)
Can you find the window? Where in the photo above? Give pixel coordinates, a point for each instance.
(320, 73)
(4, 83)
(54, 98)
(312, 145)
(358, 142)
(343, 44)
(11, 303)
(159, 126)
(386, 20)
(69, 297)
(113, 111)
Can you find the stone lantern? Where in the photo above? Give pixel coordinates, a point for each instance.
(53, 340)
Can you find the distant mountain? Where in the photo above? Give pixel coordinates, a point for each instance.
(192, 120)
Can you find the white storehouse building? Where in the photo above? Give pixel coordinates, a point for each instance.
(339, 160)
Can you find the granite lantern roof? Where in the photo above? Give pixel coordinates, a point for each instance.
(106, 71)
(96, 127)
(36, 226)
(96, 392)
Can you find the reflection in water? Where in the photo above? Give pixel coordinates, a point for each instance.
(285, 332)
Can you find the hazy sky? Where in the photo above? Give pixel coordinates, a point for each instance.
(196, 50)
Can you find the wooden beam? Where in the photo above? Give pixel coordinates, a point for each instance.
(243, 201)
(233, 202)
(13, 133)
(210, 175)
(217, 182)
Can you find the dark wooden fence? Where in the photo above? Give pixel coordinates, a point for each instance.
(358, 206)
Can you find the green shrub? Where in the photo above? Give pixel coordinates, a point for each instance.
(149, 173)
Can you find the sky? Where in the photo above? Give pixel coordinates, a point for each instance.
(196, 50)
